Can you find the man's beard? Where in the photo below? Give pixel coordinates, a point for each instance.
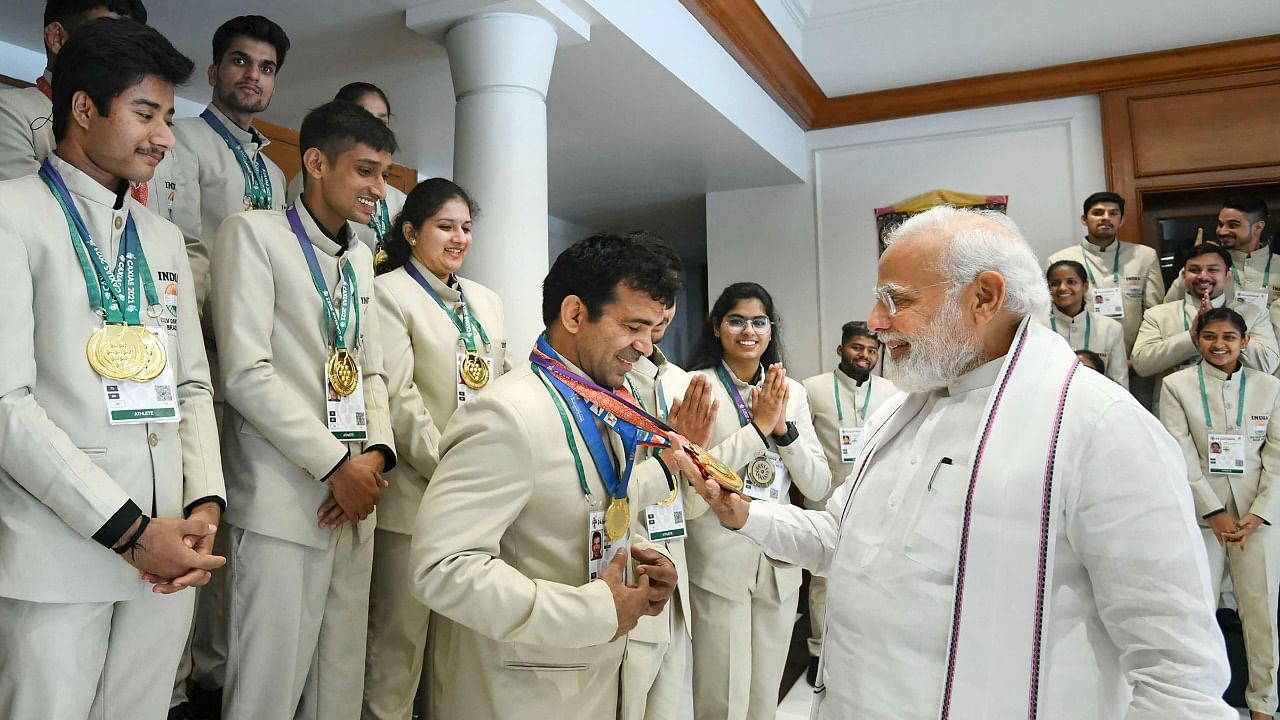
(230, 100)
(937, 357)
(855, 372)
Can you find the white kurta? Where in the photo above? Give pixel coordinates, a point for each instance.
(1131, 623)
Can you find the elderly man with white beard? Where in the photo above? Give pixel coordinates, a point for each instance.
(1017, 538)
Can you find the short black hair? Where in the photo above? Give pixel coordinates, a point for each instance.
(708, 351)
(352, 92)
(659, 246)
(1094, 358)
(1101, 197)
(593, 268)
(250, 26)
(1207, 248)
(104, 58)
(853, 329)
(337, 126)
(1075, 266)
(1222, 313)
(71, 14)
(1254, 208)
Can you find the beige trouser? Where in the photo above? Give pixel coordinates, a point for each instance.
(653, 673)
(817, 613)
(204, 659)
(397, 632)
(296, 625)
(1256, 585)
(99, 661)
(739, 651)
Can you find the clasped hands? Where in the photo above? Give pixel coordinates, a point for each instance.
(1233, 532)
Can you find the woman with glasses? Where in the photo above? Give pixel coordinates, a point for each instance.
(744, 607)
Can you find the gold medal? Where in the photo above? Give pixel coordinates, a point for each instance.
(670, 500)
(475, 371)
(115, 352)
(761, 471)
(154, 359)
(716, 470)
(617, 519)
(344, 373)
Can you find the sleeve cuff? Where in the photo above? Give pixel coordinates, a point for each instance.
(763, 440)
(1219, 511)
(345, 457)
(388, 456)
(115, 528)
(757, 525)
(222, 504)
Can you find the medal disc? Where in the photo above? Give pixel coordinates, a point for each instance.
(761, 472)
(716, 470)
(617, 519)
(475, 371)
(670, 500)
(154, 359)
(344, 373)
(115, 352)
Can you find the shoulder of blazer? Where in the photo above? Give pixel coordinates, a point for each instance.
(814, 382)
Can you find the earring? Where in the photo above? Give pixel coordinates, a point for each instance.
(413, 242)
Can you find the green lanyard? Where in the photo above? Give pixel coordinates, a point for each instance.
(381, 222)
(1088, 327)
(1115, 268)
(1204, 398)
(1266, 274)
(568, 433)
(866, 400)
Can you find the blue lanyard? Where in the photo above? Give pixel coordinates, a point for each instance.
(336, 318)
(462, 321)
(744, 413)
(257, 181)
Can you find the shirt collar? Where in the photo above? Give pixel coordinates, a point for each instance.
(88, 189)
(980, 377)
(448, 291)
(849, 381)
(1115, 244)
(1063, 317)
(242, 136)
(755, 379)
(326, 243)
(1212, 372)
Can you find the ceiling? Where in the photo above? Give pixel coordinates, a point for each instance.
(629, 144)
(854, 46)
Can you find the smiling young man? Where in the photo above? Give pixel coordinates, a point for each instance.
(26, 114)
(840, 402)
(107, 434)
(1167, 340)
(307, 431)
(1240, 224)
(527, 623)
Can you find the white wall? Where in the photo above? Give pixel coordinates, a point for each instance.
(814, 245)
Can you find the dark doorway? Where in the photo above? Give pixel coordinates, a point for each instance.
(1170, 219)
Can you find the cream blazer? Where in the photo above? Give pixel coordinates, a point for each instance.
(1251, 269)
(500, 555)
(210, 185)
(64, 470)
(395, 203)
(1165, 343)
(1140, 277)
(419, 352)
(272, 347)
(1182, 412)
(1100, 333)
(827, 423)
(720, 560)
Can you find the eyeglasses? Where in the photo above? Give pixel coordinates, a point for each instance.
(890, 294)
(759, 323)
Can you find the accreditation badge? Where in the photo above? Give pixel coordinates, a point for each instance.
(132, 402)
(1226, 454)
(600, 549)
(1256, 298)
(345, 413)
(1107, 301)
(851, 440)
(665, 520)
(755, 485)
(466, 376)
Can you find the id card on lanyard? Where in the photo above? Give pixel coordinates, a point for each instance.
(1226, 449)
(664, 521)
(130, 402)
(1107, 301)
(850, 438)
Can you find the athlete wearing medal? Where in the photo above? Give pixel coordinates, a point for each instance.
(291, 298)
(501, 549)
(429, 317)
(375, 234)
(82, 471)
(1222, 403)
(744, 607)
(840, 402)
(1084, 329)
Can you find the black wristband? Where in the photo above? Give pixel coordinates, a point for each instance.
(132, 542)
(791, 435)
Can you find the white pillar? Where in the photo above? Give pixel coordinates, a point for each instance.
(501, 66)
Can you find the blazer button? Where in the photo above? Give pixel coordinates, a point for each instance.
(153, 440)
(119, 222)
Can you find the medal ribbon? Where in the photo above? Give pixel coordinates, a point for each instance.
(467, 327)
(1088, 326)
(1204, 399)
(337, 319)
(1115, 268)
(381, 222)
(866, 400)
(44, 87)
(257, 181)
(744, 413)
(114, 293)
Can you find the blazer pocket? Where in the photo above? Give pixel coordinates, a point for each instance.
(520, 657)
(934, 538)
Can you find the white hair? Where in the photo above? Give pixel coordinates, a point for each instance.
(978, 241)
